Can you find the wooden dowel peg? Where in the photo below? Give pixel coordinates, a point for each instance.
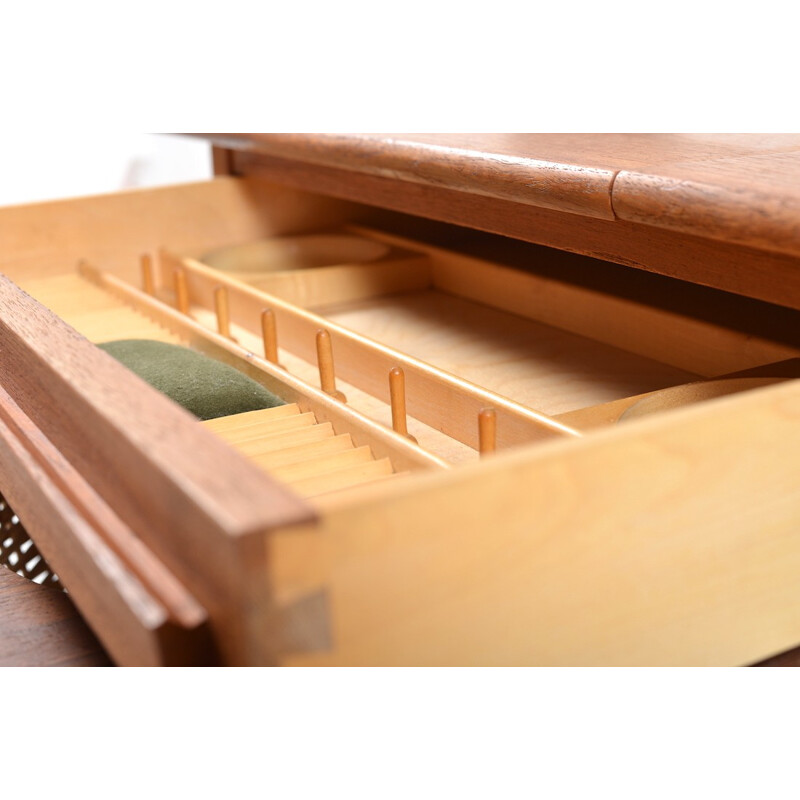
(327, 376)
(397, 398)
(148, 283)
(269, 333)
(181, 291)
(487, 431)
(222, 311)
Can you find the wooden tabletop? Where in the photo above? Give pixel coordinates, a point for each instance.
(40, 627)
(737, 188)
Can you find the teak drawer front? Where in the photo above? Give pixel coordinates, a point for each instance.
(102, 469)
(669, 540)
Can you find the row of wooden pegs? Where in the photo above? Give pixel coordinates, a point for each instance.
(487, 417)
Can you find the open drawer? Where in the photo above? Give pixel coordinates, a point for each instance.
(480, 460)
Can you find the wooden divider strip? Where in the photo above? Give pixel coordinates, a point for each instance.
(404, 454)
(347, 283)
(700, 347)
(435, 397)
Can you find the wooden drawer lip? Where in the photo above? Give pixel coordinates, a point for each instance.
(499, 173)
(750, 200)
(737, 188)
(71, 527)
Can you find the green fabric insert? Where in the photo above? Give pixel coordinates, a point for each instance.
(203, 386)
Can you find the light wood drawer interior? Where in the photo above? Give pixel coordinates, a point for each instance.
(506, 355)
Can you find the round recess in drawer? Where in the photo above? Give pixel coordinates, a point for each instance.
(294, 252)
(689, 393)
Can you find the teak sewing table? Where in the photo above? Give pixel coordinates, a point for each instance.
(594, 339)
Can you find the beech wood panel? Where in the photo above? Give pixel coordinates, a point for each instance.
(633, 321)
(536, 365)
(40, 627)
(320, 286)
(672, 540)
(45, 239)
(761, 274)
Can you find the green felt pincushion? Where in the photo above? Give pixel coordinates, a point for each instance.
(203, 386)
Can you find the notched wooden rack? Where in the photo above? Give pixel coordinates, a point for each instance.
(430, 318)
(465, 444)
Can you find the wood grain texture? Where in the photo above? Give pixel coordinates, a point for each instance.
(546, 287)
(752, 200)
(790, 658)
(321, 286)
(733, 267)
(49, 238)
(561, 171)
(181, 607)
(672, 540)
(135, 627)
(436, 397)
(657, 402)
(539, 366)
(201, 508)
(40, 627)
(669, 540)
(279, 443)
(364, 431)
(496, 166)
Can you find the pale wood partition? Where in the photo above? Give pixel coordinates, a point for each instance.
(346, 283)
(113, 229)
(680, 340)
(440, 399)
(384, 443)
(627, 547)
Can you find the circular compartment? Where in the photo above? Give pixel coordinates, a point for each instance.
(294, 252)
(676, 396)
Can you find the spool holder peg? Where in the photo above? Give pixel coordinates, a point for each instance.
(327, 374)
(397, 398)
(487, 431)
(148, 282)
(181, 291)
(269, 336)
(222, 310)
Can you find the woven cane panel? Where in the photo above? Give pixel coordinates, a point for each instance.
(19, 553)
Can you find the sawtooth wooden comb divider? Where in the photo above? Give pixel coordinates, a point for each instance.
(101, 504)
(310, 414)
